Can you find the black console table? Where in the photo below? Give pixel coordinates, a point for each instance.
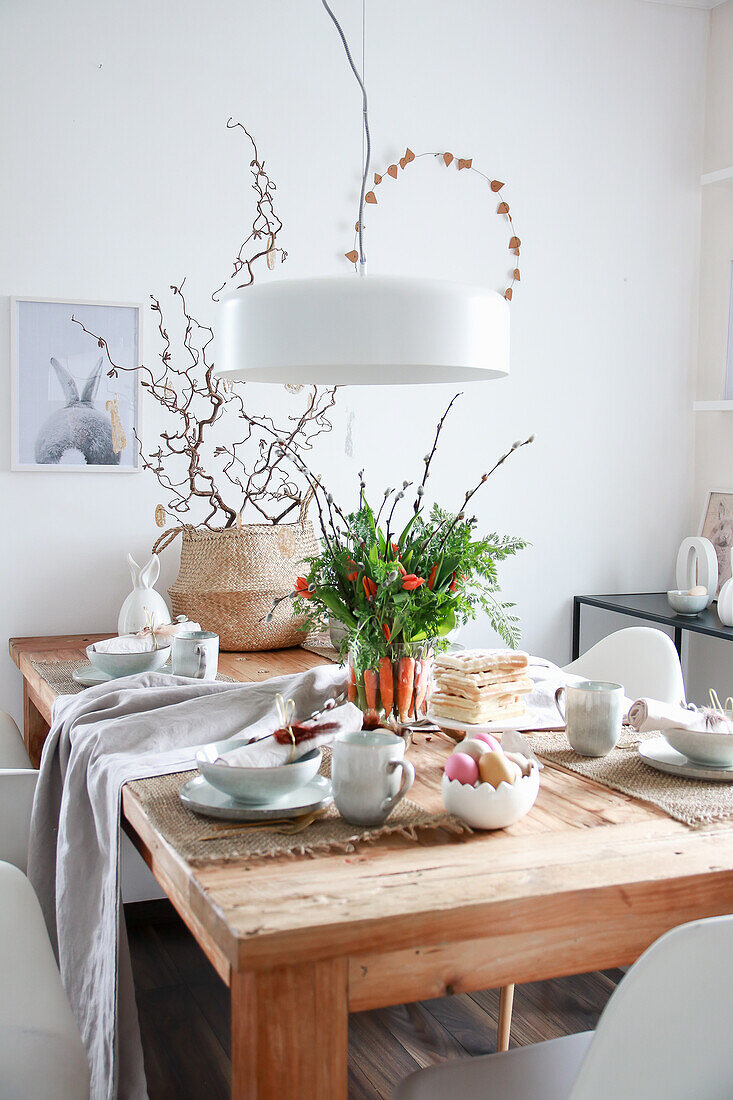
(653, 607)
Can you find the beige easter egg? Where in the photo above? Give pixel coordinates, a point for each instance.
(698, 590)
(474, 748)
(495, 768)
(524, 765)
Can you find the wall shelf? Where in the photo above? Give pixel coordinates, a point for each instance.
(723, 175)
(713, 406)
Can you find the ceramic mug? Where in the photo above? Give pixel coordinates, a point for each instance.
(195, 653)
(593, 715)
(370, 775)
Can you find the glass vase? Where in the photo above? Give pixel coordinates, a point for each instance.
(397, 690)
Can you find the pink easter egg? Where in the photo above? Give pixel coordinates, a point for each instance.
(488, 739)
(462, 767)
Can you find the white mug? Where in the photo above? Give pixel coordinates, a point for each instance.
(195, 653)
(593, 715)
(370, 775)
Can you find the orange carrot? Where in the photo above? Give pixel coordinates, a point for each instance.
(405, 683)
(352, 684)
(386, 685)
(422, 677)
(371, 718)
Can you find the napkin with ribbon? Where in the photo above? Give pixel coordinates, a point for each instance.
(646, 715)
(146, 640)
(294, 739)
(125, 643)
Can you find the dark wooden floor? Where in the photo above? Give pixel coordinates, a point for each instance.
(184, 1017)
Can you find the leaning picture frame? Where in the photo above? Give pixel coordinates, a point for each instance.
(716, 524)
(67, 413)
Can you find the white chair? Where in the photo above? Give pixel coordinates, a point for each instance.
(17, 787)
(41, 1052)
(664, 1035)
(645, 662)
(642, 659)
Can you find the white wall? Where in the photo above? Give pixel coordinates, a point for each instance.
(120, 178)
(711, 662)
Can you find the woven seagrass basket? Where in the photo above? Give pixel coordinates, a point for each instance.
(229, 578)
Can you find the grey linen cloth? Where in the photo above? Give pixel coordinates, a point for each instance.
(139, 726)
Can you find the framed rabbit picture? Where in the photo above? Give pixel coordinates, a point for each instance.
(68, 414)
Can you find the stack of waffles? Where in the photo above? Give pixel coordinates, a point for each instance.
(477, 686)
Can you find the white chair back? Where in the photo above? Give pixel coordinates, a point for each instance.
(642, 659)
(665, 1033)
(17, 788)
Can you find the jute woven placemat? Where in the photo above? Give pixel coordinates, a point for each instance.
(58, 674)
(691, 801)
(197, 840)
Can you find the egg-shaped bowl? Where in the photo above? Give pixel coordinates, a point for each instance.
(708, 747)
(685, 604)
(128, 664)
(487, 807)
(255, 786)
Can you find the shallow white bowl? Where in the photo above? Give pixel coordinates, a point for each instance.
(485, 807)
(255, 786)
(127, 664)
(702, 747)
(684, 604)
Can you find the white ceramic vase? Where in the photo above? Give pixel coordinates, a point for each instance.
(697, 563)
(725, 602)
(144, 606)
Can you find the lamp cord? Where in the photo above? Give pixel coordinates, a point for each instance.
(367, 158)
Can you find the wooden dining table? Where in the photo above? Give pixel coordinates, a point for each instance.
(585, 882)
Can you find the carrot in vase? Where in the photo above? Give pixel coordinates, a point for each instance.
(352, 684)
(422, 679)
(386, 685)
(371, 717)
(405, 683)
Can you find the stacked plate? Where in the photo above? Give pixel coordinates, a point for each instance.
(255, 794)
(695, 754)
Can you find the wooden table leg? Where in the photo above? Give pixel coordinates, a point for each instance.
(35, 727)
(506, 1002)
(290, 1032)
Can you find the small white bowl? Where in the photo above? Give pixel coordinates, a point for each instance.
(486, 807)
(255, 786)
(715, 750)
(684, 604)
(127, 664)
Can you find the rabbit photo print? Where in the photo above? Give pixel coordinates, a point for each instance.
(67, 413)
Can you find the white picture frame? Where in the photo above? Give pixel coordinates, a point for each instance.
(67, 414)
(716, 524)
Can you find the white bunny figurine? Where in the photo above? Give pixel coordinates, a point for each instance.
(144, 606)
(78, 426)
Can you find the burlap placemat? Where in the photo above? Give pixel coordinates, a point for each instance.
(197, 840)
(58, 674)
(319, 641)
(691, 801)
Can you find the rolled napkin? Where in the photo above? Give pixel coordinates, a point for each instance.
(646, 715)
(166, 633)
(127, 643)
(278, 747)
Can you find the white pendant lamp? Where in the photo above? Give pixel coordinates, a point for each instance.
(381, 330)
(375, 330)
